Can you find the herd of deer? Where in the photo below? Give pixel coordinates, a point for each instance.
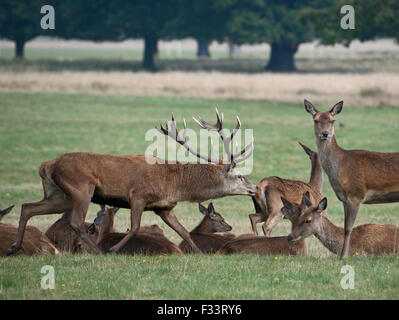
(74, 180)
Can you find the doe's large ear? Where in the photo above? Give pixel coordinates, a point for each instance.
(337, 108)
(202, 209)
(306, 200)
(308, 151)
(288, 210)
(322, 205)
(5, 211)
(310, 108)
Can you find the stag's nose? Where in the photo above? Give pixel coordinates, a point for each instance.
(324, 134)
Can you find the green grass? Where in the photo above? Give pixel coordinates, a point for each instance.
(37, 127)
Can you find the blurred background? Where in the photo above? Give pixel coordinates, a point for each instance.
(251, 49)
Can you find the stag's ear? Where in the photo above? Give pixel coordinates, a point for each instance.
(322, 205)
(202, 209)
(337, 108)
(310, 108)
(227, 167)
(308, 151)
(306, 200)
(288, 210)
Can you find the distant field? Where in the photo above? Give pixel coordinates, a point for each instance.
(35, 127)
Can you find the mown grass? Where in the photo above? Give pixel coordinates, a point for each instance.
(36, 127)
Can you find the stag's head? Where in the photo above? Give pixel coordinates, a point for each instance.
(323, 121)
(305, 218)
(234, 183)
(216, 222)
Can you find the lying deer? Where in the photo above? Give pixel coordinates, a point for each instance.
(264, 246)
(204, 235)
(365, 239)
(267, 200)
(356, 176)
(65, 238)
(34, 243)
(149, 240)
(138, 183)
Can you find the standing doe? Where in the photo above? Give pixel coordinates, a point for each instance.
(357, 176)
(365, 239)
(138, 183)
(204, 235)
(267, 200)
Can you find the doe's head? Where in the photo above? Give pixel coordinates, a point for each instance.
(323, 121)
(305, 218)
(214, 220)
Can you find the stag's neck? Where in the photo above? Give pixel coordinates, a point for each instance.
(316, 174)
(197, 183)
(330, 235)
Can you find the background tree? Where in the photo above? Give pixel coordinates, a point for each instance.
(20, 22)
(275, 22)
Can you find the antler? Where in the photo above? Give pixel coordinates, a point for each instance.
(233, 157)
(182, 140)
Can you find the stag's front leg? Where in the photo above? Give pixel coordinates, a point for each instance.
(136, 210)
(170, 219)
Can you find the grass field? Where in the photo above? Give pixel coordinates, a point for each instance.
(35, 127)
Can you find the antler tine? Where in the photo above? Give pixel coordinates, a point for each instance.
(249, 146)
(174, 133)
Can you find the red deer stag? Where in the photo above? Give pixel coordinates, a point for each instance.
(149, 240)
(73, 180)
(365, 239)
(357, 176)
(268, 208)
(34, 243)
(204, 235)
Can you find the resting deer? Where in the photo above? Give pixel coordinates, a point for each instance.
(149, 240)
(65, 238)
(267, 200)
(138, 183)
(264, 246)
(356, 176)
(365, 239)
(204, 235)
(34, 243)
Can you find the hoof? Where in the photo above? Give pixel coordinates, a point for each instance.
(11, 250)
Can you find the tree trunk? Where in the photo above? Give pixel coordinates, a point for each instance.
(150, 49)
(282, 57)
(19, 48)
(203, 49)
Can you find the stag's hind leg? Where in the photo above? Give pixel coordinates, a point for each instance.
(56, 202)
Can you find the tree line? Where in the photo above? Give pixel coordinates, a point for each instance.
(284, 24)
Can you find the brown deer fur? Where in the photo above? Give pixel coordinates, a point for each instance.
(265, 246)
(356, 176)
(139, 183)
(366, 239)
(267, 200)
(34, 242)
(149, 240)
(65, 238)
(204, 235)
